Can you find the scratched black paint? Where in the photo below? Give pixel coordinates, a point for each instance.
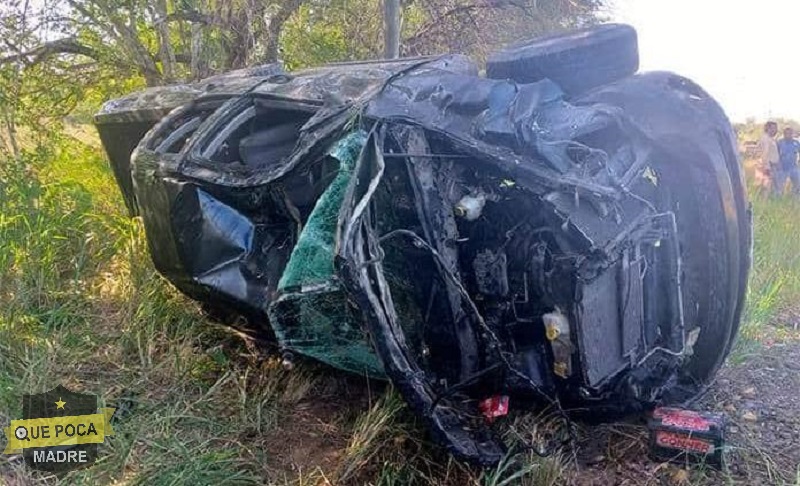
(476, 207)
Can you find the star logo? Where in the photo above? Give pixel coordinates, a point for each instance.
(52, 415)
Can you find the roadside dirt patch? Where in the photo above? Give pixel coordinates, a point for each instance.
(760, 398)
(314, 435)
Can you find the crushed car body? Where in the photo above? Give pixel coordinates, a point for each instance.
(462, 236)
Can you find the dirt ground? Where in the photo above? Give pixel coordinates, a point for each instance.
(759, 393)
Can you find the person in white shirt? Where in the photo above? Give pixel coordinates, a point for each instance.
(769, 156)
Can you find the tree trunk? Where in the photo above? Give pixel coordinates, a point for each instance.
(275, 27)
(9, 109)
(116, 28)
(391, 29)
(146, 63)
(165, 52)
(197, 65)
(11, 129)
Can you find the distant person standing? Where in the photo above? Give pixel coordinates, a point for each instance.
(788, 150)
(768, 152)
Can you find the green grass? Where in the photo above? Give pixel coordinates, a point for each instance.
(774, 287)
(81, 304)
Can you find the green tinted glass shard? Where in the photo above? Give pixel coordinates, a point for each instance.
(311, 316)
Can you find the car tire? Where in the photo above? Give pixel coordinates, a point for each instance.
(577, 61)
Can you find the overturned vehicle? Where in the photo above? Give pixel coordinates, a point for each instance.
(559, 231)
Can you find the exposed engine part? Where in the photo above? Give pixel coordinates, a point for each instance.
(470, 207)
(558, 333)
(491, 273)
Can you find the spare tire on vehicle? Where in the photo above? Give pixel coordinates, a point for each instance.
(577, 61)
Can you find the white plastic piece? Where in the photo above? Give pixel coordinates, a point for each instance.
(470, 207)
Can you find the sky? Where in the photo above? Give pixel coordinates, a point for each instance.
(743, 52)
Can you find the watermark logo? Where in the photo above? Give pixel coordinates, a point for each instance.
(59, 431)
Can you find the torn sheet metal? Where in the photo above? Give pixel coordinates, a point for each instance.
(460, 236)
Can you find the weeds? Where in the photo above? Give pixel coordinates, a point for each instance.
(525, 470)
(775, 279)
(371, 433)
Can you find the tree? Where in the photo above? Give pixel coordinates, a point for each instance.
(60, 54)
(391, 29)
(344, 30)
(478, 27)
(163, 41)
(29, 95)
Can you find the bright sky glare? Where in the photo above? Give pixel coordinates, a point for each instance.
(743, 52)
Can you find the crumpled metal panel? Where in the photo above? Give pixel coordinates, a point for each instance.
(225, 235)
